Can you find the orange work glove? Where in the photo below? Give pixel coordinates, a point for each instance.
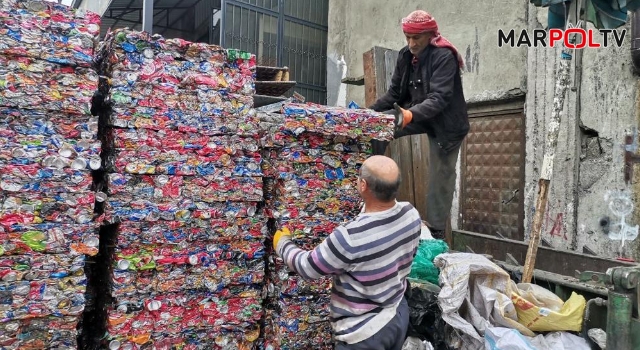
(403, 116)
(279, 234)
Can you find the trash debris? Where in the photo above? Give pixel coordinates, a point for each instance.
(425, 315)
(475, 291)
(413, 343)
(599, 337)
(542, 319)
(560, 341)
(540, 296)
(499, 338)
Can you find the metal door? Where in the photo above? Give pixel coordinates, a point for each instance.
(492, 173)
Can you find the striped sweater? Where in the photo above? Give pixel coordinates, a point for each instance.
(369, 259)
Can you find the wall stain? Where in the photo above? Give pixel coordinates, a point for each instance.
(472, 56)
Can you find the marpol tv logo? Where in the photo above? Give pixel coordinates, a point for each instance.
(574, 37)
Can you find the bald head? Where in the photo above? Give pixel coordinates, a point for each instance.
(382, 176)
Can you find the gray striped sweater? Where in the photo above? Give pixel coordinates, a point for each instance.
(369, 259)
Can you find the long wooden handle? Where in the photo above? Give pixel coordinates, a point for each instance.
(534, 240)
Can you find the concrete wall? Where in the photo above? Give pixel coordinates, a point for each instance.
(599, 110)
(358, 25)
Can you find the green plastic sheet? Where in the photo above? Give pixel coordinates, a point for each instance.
(423, 267)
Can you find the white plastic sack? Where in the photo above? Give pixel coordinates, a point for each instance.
(540, 296)
(475, 295)
(560, 341)
(499, 338)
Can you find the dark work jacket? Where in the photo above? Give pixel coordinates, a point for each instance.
(443, 113)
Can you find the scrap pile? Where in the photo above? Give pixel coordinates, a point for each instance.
(184, 185)
(315, 155)
(48, 147)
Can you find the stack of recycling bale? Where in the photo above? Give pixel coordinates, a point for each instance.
(48, 147)
(316, 154)
(184, 186)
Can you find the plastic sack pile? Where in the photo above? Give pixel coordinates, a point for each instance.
(314, 154)
(184, 181)
(486, 308)
(48, 147)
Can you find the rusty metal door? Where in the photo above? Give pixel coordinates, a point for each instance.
(492, 174)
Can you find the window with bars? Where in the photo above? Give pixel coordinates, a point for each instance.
(291, 33)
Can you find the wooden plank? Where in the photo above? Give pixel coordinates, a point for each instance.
(359, 81)
(390, 59)
(402, 149)
(402, 154)
(382, 82)
(420, 162)
(389, 68)
(534, 240)
(370, 78)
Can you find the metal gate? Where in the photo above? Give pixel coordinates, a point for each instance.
(291, 33)
(492, 173)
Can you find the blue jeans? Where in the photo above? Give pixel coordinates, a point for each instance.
(390, 337)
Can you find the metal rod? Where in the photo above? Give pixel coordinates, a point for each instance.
(305, 22)
(158, 26)
(280, 39)
(147, 16)
(223, 23)
(562, 85)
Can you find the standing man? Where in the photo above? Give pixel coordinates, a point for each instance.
(426, 97)
(369, 259)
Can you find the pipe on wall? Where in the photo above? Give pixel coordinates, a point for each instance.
(635, 40)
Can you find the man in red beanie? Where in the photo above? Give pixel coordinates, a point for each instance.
(426, 96)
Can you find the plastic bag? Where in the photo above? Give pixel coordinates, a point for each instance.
(499, 338)
(560, 341)
(476, 294)
(540, 296)
(413, 343)
(543, 319)
(425, 316)
(423, 267)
